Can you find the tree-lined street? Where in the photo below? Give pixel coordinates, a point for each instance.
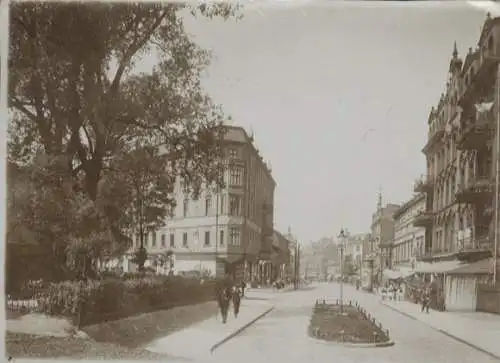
(282, 336)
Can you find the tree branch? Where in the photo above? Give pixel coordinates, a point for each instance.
(132, 50)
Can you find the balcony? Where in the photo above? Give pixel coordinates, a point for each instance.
(423, 185)
(475, 249)
(476, 135)
(434, 139)
(478, 191)
(483, 78)
(423, 219)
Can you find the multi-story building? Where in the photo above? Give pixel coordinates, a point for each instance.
(382, 234)
(226, 229)
(460, 163)
(294, 259)
(459, 153)
(409, 237)
(318, 259)
(354, 247)
(281, 259)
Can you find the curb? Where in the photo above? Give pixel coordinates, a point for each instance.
(389, 343)
(241, 329)
(493, 355)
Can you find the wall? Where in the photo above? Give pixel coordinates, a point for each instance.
(488, 299)
(409, 241)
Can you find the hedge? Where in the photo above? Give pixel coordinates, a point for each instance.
(96, 301)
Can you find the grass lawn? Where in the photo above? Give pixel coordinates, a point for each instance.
(357, 329)
(120, 339)
(20, 345)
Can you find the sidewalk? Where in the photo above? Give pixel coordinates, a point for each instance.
(209, 333)
(479, 330)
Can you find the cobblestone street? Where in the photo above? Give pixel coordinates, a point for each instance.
(282, 336)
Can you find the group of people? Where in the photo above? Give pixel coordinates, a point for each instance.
(228, 292)
(391, 292)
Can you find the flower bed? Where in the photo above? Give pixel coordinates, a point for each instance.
(351, 324)
(97, 301)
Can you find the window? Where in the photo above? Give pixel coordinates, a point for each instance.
(221, 238)
(153, 239)
(208, 205)
(185, 239)
(233, 153)
(163, 240)
(172, 240)
(234, 205)
(236, 176)
(235, 236)
(207, 238)
(222, 200)
(185, 208)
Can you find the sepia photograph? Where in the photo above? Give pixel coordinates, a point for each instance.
(277, 181)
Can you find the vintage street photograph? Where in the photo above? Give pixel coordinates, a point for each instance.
(254, 181)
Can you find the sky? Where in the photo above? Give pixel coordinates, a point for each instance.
(338, 98)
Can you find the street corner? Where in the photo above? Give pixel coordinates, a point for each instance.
(241, 328)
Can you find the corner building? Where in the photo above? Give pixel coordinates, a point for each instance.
(229, 231)
(459, 184)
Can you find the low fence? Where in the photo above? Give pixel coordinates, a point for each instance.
(488, 299)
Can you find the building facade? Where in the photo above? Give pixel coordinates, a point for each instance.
(228, 228)
(382, 234)
(459, 152)
(409, 238)
(354, 247)
(460, 181)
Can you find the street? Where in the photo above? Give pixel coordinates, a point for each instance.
(282, 336)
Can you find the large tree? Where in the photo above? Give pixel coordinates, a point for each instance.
(75, 100)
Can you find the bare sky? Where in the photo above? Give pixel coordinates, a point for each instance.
(338, 98)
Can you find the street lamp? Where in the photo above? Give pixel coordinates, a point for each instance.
(341, 242)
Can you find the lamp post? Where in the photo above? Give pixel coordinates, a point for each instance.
(341, 242)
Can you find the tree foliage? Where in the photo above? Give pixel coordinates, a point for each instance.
(83, 119)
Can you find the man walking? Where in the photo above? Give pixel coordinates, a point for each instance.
(425, 300)
(223, 299)
(236, 301)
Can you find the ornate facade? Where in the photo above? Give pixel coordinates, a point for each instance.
(460, 179)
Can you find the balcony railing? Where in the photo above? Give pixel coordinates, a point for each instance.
(423, 184)
(423, 219)
(476, 134)
(480, 243)
(483, 76)
(476, 191)
(434, 139)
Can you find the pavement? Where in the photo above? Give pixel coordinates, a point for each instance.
(282, 335)
(484, 336)
(211, 333)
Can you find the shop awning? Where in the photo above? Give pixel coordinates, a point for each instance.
(232, 259)
(397, 274)
(437, 267)
(483, 267)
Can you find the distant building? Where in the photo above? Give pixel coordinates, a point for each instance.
(354, 247)
(382, 233)
(409, 238)
(226, 232)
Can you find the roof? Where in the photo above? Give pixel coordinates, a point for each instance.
(483, 267)
(407, 205)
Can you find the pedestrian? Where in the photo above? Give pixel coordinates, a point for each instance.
(236, 301)
(242, 288)
(425, 301)
(223, 295)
